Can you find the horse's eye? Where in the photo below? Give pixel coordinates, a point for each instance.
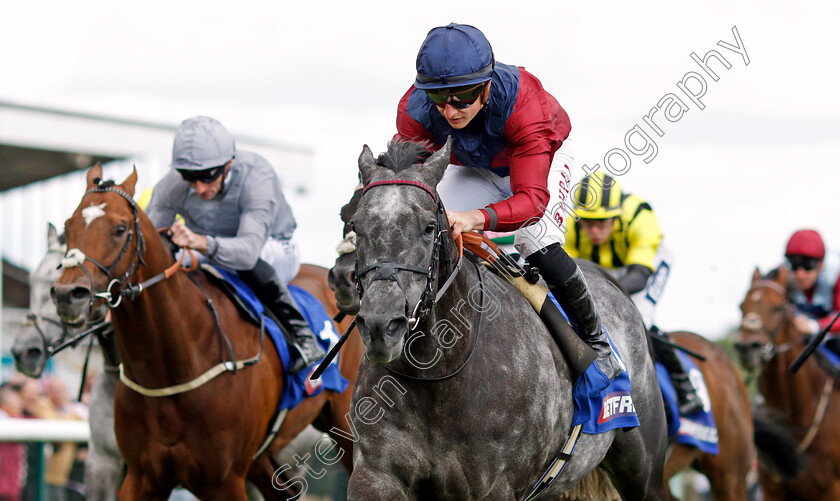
(430, 228)
(121, 229)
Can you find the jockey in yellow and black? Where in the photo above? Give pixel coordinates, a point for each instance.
(619, 231)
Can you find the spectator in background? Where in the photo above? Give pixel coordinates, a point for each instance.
(12, 455)
(61, 461)
(35, 406)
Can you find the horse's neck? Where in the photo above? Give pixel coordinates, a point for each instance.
(797, 395)
(446, 335)
(162, 334)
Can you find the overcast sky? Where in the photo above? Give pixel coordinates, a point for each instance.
(729, 182)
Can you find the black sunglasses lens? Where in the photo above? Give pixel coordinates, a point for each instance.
(204, 176)
(463, 97)
(804, 262)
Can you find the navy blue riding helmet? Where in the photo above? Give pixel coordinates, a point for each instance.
(455, 55)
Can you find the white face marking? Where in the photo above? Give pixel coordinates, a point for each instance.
(93, 212)
(756, 295)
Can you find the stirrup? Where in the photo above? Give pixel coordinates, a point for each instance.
(301, 360)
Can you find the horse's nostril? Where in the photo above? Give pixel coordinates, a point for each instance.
(395, 327)
(80, 293)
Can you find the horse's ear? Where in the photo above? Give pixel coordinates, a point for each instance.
(53, 241)
(437, 163)
(130, 182)
(94, 175)
(783, 275)
(756, 275)
(367, 165)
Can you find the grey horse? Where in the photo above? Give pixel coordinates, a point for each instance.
(103, 464)
(463, 394)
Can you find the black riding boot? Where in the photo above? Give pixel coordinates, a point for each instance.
(687, 399)
(274, 294)
(566, 282)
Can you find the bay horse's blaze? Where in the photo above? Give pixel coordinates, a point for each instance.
(203, 439)
(805, 405)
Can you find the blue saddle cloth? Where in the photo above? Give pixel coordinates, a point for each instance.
(296, 387)
(602, 405)
(697, 429)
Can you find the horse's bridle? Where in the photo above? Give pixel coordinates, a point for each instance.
(75, 257)
(752, 323)
(53, 347)
(389, 270)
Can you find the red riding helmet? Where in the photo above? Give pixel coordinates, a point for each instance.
(806, 243)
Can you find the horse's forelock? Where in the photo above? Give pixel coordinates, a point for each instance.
(402, 154)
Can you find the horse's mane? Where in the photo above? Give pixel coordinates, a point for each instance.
(107, 183)
(404, 153)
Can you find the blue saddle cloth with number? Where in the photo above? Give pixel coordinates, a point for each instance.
(698, 429)
(296, 387)
(602, 405)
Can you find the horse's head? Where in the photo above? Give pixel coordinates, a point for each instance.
(39, 330)
(400, 227)
(105, 247)
(342, 276)
(342, 281)
(767, 322)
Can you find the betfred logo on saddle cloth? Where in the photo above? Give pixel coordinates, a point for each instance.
(617, 404)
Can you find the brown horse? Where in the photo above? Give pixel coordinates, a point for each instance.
(727, 471)
(171, 330)
(806, 403)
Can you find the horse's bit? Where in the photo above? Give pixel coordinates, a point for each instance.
(75, 257)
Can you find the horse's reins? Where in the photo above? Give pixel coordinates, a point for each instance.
(63, 342)
(755, 325)
(76, 258)
(389, 270)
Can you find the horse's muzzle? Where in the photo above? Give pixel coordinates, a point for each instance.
(29, 357)
(751, 353)
(383, 335)
(342, 280)
(72, 303)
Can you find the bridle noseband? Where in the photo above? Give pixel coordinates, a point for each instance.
(75, 257)
(752, 323)
(389, 270)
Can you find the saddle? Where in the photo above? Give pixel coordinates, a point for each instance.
(577, 353)
(219, 281)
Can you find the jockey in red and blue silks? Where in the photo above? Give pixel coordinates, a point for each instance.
(511, 160)
(816, 285)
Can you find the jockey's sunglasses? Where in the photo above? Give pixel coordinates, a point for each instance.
(807, 263)
(459, 98)
(205, 176)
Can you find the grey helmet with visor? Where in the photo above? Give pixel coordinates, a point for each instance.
(202, 145)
